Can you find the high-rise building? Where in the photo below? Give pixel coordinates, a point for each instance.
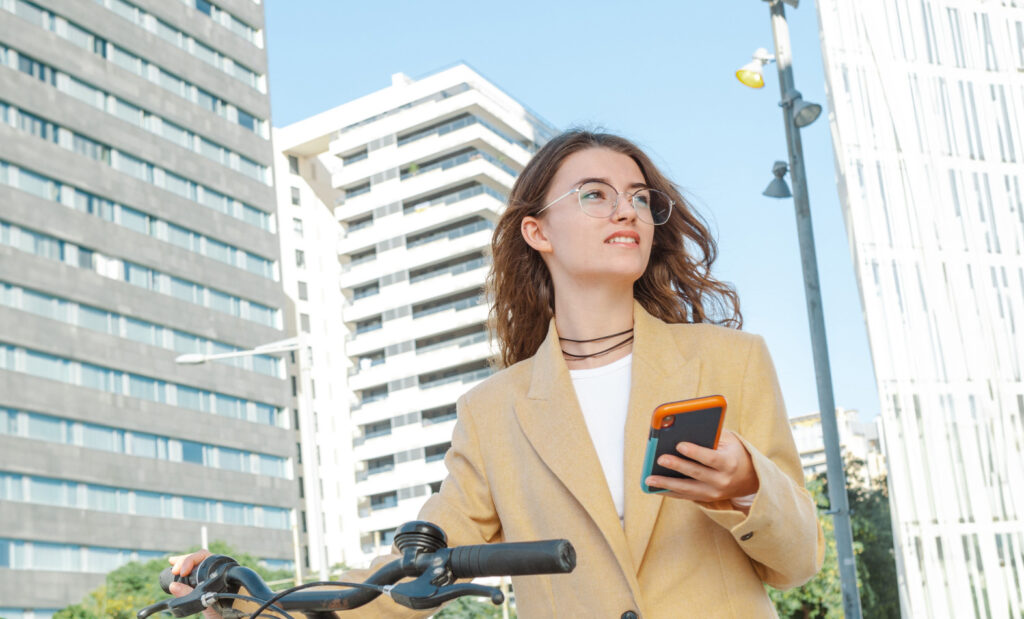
(857, 439)
(415, 175)
(927, 118)
(136, 224)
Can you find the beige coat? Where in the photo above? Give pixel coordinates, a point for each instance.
(522, 467)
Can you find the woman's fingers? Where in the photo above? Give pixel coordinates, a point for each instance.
(721, 473)
(695, 470)
(689, 489)
(708, 457)
(182, 564)
(179, 589)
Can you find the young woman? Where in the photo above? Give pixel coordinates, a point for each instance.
(602, 303)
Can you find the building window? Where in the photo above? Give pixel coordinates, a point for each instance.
(383, 501)
(436, 452)
(295, 196)
(437, 415)
(354, 157)
(365, 291)
(300, 258)
(380, 465)
(357, 190)
(304, 322)
(371, 359)
(377, 428)
(303, 291)
(359, 224)
(364, 256)
(374, 394)
(370, 324)
(293, 164)
(297, 226)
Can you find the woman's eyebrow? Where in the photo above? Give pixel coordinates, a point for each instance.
(601, 179)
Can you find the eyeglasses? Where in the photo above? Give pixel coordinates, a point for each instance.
(599, 199)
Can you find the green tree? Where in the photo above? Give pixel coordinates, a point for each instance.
(472, 608)
(870, 521)
(134, 585)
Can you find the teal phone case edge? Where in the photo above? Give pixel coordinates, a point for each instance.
(652, 446)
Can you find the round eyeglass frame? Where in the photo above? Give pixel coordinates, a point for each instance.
(615, 205)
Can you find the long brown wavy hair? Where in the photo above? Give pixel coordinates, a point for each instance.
(677, 286)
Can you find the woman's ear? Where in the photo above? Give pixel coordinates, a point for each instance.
(534, 235)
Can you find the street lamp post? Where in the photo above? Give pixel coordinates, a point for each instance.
(314, 521)
(798, 113)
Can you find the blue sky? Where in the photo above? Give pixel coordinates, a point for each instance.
(658, 72)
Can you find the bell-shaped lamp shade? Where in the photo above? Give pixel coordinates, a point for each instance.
(751, 74)
(805, 112)
(778, 189)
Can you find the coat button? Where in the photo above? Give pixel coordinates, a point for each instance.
(747, 536)
(629, 615)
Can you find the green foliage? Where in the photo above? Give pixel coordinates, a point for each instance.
(472, 608)
(134, 585)
(870, 521)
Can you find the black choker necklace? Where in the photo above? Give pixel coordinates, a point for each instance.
(576, 357)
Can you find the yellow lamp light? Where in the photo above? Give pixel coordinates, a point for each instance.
(752, 74)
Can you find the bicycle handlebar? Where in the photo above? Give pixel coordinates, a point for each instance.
(425, 556)
(513, 559)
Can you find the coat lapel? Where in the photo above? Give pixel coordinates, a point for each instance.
(553, 423)
(661, 373)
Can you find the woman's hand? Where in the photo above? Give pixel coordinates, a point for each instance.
(718, 474)
(182, 565)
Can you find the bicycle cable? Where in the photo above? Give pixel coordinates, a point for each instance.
(281, 594)
(237, 596)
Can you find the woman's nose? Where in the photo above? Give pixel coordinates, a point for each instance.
(624, 210)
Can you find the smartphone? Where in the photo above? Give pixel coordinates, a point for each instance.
(697, 421)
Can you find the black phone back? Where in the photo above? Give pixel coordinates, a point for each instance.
(699, 427)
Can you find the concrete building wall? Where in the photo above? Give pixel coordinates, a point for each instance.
(182, 443)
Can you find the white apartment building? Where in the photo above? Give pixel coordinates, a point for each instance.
(927, 119)
(857, 438)
(391, 288)
(310, 273)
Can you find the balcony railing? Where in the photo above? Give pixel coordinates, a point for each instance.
(461, 342)
(457, 160)
(465, 377)
(455, 269)
(449, 234)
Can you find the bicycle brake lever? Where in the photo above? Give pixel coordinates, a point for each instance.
(184, 606)
(152, 609)
(420, 594)
(189, 604)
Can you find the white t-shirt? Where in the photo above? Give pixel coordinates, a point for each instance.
(603, 394)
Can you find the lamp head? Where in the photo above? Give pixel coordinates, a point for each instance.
(805, 112)
(752, 73)
(778, 187)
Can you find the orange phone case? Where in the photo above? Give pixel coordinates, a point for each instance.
(696, 421)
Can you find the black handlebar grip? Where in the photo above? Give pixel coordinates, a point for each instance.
(166, 578)
(555, 556)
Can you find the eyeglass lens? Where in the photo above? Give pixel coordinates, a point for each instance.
(599, 199)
